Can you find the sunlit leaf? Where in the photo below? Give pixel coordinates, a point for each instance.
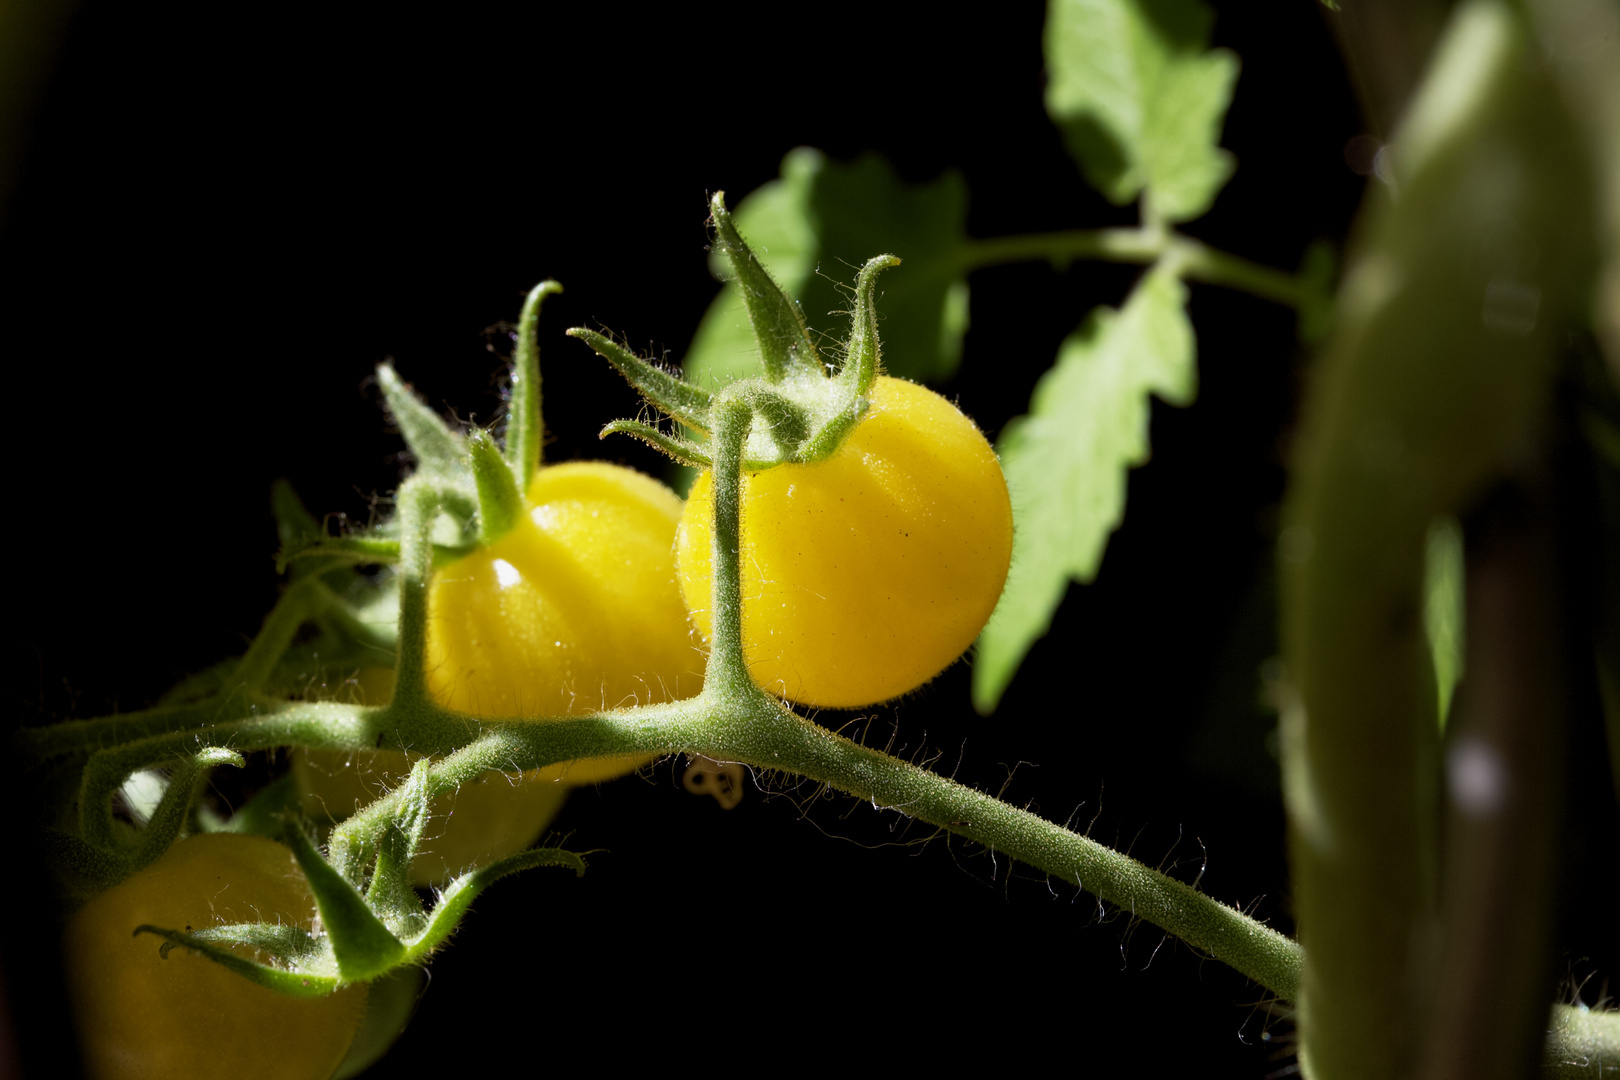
(1140, 99)
(1066, 461)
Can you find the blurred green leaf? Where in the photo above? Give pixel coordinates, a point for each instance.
(1443, 616)
(1140, 99)
(1066, 461)
(813, 227)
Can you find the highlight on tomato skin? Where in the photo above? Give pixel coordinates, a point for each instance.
(866, 574)
(142, 1015)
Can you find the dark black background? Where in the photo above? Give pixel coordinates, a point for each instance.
(227, 216)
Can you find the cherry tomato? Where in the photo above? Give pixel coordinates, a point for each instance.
(574, 610)
(142, 1015)
(866, 574)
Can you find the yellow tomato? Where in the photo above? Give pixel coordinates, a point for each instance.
(142, 1016)
(574, 611)
(866, 574)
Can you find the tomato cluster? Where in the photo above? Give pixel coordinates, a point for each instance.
(865, 572)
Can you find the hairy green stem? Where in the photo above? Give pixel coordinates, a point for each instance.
(297, 603)
(1198, 261)
(759, 731)
(728, 668)
(418, 505)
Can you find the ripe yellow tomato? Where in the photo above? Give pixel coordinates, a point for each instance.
(141, 1015)
(573, 611)
(576, 609)
(866, 574)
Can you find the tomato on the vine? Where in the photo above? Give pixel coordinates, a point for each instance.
(865, 574)
(574, 610)
(143, 1015)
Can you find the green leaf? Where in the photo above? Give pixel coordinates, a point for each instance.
(813, 228)
(862, 210)
(1066, 461)
(1140, 99)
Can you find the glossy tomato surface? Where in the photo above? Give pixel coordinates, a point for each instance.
(574, 611)
(866, 574)
(142, 1016)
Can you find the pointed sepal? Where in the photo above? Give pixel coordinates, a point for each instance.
(363, 946)
(290, 946)
(684, 401)
(438, 449)
(366, 551)
(390, 893)
(863, 359)
(682, 450)
(296, 527)
(784, 340)
(455, 901)
(333, 551)
(500, 503)
(282, 980)
(525, 425)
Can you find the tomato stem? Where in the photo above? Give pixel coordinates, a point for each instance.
(1198, 261)
(727, 673)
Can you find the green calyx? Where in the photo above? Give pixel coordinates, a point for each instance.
(364, 934)
(481, 481)
(804, 405)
